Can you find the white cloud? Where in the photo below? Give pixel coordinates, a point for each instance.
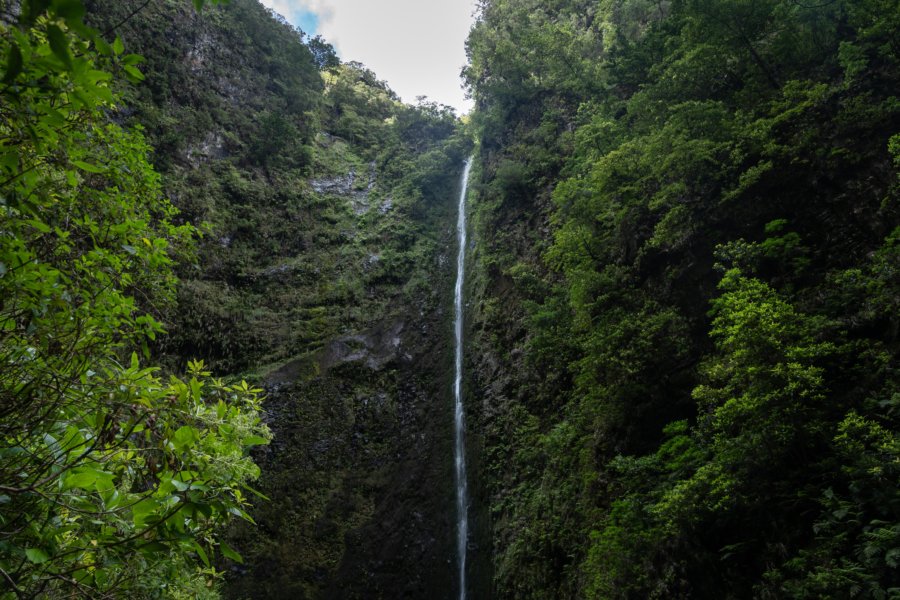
(417, 46)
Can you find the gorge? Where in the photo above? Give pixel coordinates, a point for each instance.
(239, 360)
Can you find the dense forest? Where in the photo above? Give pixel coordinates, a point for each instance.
(226, 263)
(687, 324)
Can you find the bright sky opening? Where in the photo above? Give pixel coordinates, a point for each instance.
(417, 46)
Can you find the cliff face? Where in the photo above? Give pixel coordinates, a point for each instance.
(325, 275)
(360, 473)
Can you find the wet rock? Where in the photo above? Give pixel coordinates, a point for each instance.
(374, 348)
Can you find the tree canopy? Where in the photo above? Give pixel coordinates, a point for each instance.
(114, 480)
(719, 181)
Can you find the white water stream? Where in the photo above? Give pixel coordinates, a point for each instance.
(459, 450)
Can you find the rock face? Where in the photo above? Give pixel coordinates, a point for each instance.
(359, 475)
(351, 187)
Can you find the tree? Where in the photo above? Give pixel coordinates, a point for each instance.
(112, 479)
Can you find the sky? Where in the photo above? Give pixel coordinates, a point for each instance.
(417, 46)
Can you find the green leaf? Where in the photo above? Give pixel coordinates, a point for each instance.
(180, 485)
(118, 47)
(203, 509)
(154, 548)
(102, 46)
(141, 511)
(241, 513)
(185, 437)
(13, 63)
(70, 10)
(36, 555)
(132, 59)
(9, 160)
(255, 440)
(35, 9)
(39, 225)
(84, 479)
(59, 45)
(229, 552)
(88, 167)
(134, 75)
(255, 492)
(200, 552)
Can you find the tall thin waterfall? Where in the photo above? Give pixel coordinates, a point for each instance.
(459, 450)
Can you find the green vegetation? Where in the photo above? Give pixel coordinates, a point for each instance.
(114, 481)
(711, 322)
(311, 204)
(684, 305)
(325, 206)
(287, 169)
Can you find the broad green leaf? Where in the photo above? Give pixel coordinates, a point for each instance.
(102, 46)
(118, 47)
(204, 509)
(9, 160)
(229, 552)
(180, 485)
(111, 499)
(13, 63)
(143, 510)
(133, 73)
(200, 552)
(36, 555)
(39, 225)
(59, 45)
(241, 513)
(88, 167)
(255, 440)
(93, 76)
(185, 437)
(84, 479)
(154, 548)
(70, 10)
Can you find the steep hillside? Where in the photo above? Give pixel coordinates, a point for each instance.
(324, 275)
(686, 328)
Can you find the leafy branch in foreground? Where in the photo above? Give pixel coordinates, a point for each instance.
(112, 480)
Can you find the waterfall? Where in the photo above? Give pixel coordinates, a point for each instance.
(459, 450)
